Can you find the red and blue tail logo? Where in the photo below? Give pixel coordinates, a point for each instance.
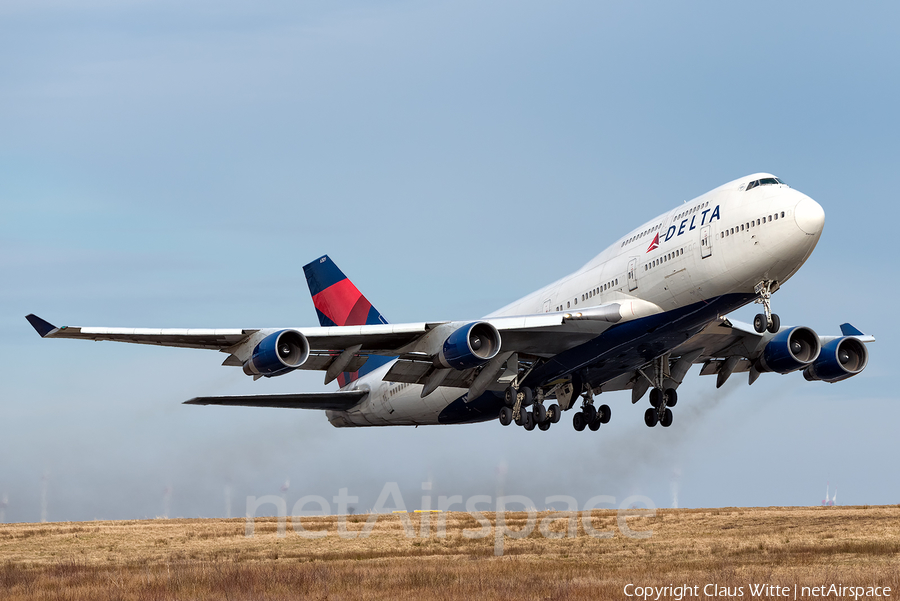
(339, 303)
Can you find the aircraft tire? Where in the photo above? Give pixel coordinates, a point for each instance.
(540, 413)
(590, 413)
(650, 417)
(604, 413)
(759, 322)
(510, 396)
(506, 416)
(520, 421)
(544, 426)
(666, 420)
(529, 422)
(594, 425)
(578, 422)
(554, 412)
(526, 395)
(775, 325)
(671, 397)
(655, 397)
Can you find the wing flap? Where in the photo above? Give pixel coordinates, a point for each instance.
(335, 401)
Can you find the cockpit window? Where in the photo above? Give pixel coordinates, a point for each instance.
(766, 181)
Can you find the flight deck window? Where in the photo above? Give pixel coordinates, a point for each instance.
(766, 181)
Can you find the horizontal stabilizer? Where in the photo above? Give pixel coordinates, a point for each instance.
(337, 401)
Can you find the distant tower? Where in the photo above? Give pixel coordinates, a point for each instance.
(228, 499)
(166, 501)
(829, 501)
(44, 485)
(4, 503)
(285, 488)
(502, 468)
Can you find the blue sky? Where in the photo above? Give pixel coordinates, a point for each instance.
(172, 165)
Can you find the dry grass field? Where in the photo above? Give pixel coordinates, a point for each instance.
(214, 559)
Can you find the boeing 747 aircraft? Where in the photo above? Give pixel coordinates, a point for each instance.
(636, 317)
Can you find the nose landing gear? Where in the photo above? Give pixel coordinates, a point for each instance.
(768, 320)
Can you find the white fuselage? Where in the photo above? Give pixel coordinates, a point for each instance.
(725, 241)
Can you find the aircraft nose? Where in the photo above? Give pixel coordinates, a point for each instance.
(810, 216)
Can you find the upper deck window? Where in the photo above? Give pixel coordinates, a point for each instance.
(766, 181)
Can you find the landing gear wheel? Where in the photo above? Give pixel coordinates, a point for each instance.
(506, 416)
(760, 322)
(775, 325)
(525, 395)
(666, 419)
(520, 421)
(655, 397)
(594, 426)
(529, 422)
(510, 396)
(650, 417)
(671, 397)
(578, 422)
(554, 412)
(589, 413)
(603, 414)
(540, 413)
(544, 426)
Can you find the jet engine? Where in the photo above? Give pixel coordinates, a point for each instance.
(789, 350)
(840, 359)
(469, 346)
(278, 354)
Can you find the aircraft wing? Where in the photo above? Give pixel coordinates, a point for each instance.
(542, 334)
(338, 401)
(722, 348)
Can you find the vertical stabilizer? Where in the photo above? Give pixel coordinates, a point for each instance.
(339, 302)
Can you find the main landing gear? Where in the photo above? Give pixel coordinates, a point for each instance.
(659, 413)
(768, 320)
(662, 396)
(517, 399)
(590, 416)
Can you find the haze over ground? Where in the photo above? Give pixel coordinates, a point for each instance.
(165, 165)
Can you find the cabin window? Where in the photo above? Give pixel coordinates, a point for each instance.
(782, 214)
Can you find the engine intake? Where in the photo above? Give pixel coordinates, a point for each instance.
(469, 346)
(790, 350)
(278, 354)
(840, 359)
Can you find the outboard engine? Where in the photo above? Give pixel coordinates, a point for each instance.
(789, 350)
(469, 346)
(841, 358)
(278, 354)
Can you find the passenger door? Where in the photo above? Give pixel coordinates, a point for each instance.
(632, 274)
(705, 242)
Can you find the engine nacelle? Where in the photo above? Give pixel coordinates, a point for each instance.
(469, 346)
(278, 354)
(790, 350)
(840, 359)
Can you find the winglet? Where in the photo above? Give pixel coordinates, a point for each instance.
(848, 330)
(40, 326)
